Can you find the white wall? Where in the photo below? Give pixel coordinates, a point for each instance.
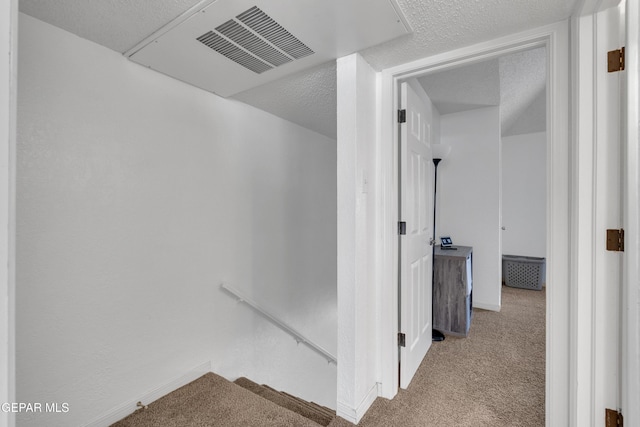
(469, 196)
(357, 347)
(524, 194)
(8, 66)
(137, 196)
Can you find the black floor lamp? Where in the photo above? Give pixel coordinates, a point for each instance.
(440, 152)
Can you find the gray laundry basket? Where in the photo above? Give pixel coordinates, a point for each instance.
(523, 271)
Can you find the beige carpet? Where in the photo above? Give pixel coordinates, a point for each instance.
(313, 411)
(213, 401)
(494, 377)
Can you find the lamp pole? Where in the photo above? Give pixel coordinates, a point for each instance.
(435, 334)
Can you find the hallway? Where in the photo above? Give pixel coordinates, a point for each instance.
(494, 377)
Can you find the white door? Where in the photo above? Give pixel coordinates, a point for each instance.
(416, 251)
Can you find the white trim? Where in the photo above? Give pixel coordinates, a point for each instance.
(555, 38)
(559, 199)
(354, 415)
(595, 382)
(631, 280)
(583, 256)
(380, 220)
(387, 251)
(127, 408)
(8, 113)
(483, 306)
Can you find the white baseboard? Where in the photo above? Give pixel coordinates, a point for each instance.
(490, 307)
(127, 408)
(354, 415)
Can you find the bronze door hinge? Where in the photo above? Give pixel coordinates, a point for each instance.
(615, 60)
(613, 418)
(615, 240)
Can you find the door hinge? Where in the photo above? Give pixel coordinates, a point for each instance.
(615, 60)
(402, 228)
(613, 418)
(402, 116)
(615, 240)
(402, 339)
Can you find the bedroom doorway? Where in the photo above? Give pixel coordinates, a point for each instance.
(555, 40)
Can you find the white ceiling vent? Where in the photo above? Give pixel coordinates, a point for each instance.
(255, 41)
(262, 24)
(229, 46)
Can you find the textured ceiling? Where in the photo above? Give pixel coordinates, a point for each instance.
(523, 78)
(516, 82)
(116, 24)
(308, 98)
(439, 26)
(442, 25)
(464, 88)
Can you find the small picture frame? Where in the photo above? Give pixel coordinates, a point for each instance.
(446, 242)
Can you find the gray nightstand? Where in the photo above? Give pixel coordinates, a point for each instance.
(453, 290)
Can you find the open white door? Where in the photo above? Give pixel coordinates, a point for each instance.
(416, 211)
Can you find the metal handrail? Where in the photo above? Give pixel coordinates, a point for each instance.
(288, 329)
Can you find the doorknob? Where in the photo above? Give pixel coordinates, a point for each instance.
(432, 241)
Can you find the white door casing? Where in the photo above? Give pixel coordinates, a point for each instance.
(8, 117)
(560, 357)
(630, 369)
(598, 197)
(606, 292)
(416, 250)
(607, 206)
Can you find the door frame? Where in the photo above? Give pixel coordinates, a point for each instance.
(8, 120)
(559, 357)
(630, 374)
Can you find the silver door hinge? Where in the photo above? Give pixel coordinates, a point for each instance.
(615, 240)
(402, 339)
(402, 116)
(613, 418)
(615, 60)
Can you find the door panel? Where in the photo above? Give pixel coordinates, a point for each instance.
(416, 252)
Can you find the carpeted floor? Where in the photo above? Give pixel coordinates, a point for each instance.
(494, 377)
(213, 401)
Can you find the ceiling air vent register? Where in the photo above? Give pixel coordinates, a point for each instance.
(230, 46)
(255, 41)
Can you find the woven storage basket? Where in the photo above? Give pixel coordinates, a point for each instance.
(523, 272)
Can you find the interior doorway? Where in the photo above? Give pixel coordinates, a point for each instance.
(555, 40)
(492, 114)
